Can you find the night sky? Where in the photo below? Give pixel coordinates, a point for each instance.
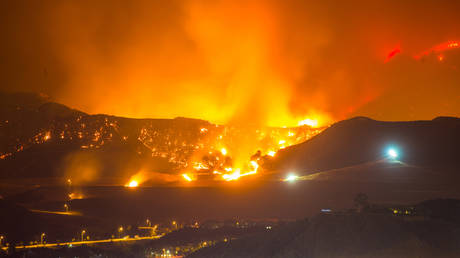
(267, 62)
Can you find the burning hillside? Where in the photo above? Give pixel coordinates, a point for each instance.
(193, 149)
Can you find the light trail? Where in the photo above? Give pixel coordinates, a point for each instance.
(68, 213)
(319, 174)
(88, 242)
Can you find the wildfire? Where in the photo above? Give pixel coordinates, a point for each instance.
(211, 159)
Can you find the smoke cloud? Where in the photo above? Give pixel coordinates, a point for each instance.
(260, 62)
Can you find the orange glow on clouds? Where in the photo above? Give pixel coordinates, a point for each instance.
(393, 53)
(231, 62)
(445, 46)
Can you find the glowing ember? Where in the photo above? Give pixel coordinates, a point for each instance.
(223, 151)
(200, 166)
(47, 136)
(73, 196)
(453, 44)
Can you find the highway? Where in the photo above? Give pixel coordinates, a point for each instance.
(88, 242)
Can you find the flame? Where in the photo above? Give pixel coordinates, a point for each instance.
(187, 177)
(441, 57)
(271, 153)
(223, 151)
(309, 122)
(233, 176)
(237, 174)
(136, 179)
(132, 184)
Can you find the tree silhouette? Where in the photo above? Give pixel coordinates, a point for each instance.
(361, 202)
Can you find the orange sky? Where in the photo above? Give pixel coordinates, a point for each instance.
(263, 62)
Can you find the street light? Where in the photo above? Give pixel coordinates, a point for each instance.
(1, 240)
(66, 207)
(120, 230)
(82, 234)
(147, 221)
(42, 236)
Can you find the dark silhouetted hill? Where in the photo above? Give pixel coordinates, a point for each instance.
(431, 144)
(350, 234)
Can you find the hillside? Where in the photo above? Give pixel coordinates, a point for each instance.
(351, 234)
(43, 139)
(430, 144)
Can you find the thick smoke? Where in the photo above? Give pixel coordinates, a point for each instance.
(259, 62)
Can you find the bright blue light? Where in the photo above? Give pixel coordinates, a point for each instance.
(392, 153)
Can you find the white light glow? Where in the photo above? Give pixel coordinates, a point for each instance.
(392, 153)
(291, 178)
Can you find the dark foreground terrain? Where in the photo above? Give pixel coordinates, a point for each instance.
(429, 229)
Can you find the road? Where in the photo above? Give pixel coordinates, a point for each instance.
(88, 242)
